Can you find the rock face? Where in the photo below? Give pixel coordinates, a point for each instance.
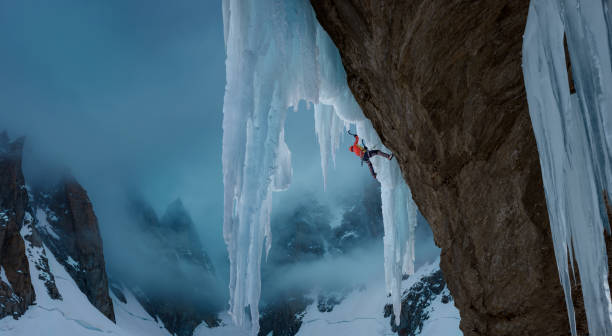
(16, 291)
(441, 81)
(69, 228)
(284, 318)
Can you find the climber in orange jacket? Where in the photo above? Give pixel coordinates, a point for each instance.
(365, 154)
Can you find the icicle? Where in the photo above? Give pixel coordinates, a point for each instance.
(574, 136)
(283, 171)
(329, 128)
(277, 55)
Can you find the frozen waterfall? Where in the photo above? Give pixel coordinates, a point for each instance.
(574, 136)
(277, 55)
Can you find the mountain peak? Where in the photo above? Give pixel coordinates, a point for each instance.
(4, 138)
(13, 148)
(176, 206)
(177, 217)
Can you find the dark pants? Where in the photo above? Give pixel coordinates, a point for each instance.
(367, 155)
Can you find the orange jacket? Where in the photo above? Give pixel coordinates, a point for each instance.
(355, 148)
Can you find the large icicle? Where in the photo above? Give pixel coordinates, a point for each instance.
(329, 129)
(574, 136)
(277, 55)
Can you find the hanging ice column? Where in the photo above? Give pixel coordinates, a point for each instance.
(278, 55)
(574, 136)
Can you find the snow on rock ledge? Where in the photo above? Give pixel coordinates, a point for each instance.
(277, 55)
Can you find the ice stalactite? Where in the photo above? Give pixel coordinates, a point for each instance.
(574, 136)
(329, 129)
(277, 55)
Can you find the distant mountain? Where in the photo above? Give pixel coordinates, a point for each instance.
(176, 290)
(305, 234)
(53, 273)
(53, 278)
(178, 228)
(362, 222)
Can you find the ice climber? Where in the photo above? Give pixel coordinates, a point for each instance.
(365, 154)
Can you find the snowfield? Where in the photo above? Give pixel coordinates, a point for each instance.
(73, 314)
(361, 314)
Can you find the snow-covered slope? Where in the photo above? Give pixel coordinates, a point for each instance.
(226, 328)
(134, 319)
(362, 312)
(73, 314)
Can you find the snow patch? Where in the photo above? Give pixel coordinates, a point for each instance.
(73, 263)
(44, 225)
(4, 216)
(349, 234)
(4, 278)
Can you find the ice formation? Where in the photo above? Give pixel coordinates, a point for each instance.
(277, 55)
(574, 136)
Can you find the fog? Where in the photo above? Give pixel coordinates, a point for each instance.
(358, 268)
(128, 95)
(122, 93)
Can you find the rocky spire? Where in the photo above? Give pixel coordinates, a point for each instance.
(76, 240)
(16, 291)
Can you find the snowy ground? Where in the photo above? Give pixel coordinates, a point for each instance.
(227, 328)
(361, 314)
(74, 314)
(133, 319)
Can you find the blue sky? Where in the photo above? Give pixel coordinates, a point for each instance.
(131, 93)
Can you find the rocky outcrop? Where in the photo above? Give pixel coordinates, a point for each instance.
(416, 304)
(284, 317)
(441, 81)
(69, 228)
(16, 291)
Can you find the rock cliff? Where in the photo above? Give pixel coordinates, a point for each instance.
(16, 291)
(441, 81)
(68, 225)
